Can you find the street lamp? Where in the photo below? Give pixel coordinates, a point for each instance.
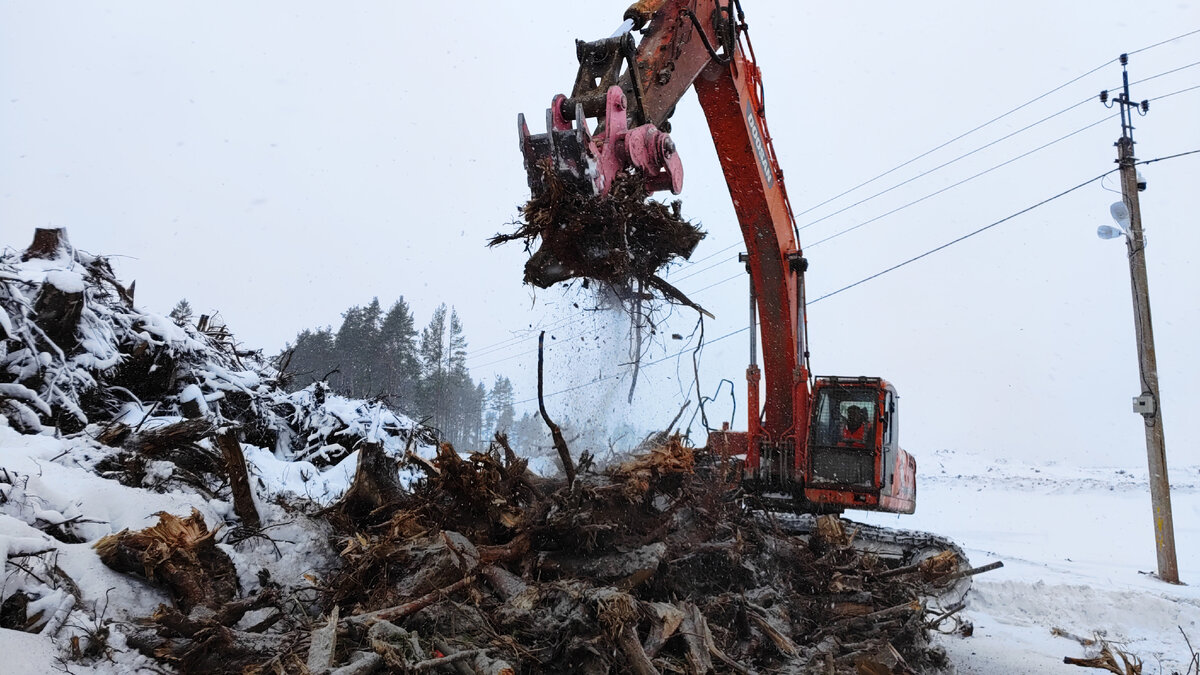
(1120, 214)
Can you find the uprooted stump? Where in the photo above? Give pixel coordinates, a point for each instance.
(179, 553)
(623, 239)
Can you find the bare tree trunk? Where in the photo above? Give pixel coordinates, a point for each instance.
(239, 481)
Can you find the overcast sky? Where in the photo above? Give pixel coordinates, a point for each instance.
(280, 161)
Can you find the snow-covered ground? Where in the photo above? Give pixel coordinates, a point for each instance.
(1078, 550)
(1075, 541)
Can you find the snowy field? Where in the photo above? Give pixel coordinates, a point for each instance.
(1077, 547)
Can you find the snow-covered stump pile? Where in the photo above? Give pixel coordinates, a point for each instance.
(75, 351)
(112, 419)
(644, 568)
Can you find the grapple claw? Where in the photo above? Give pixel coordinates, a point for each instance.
(590, 163)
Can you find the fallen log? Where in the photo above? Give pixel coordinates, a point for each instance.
(157, 441)
(505, 583)
(181, 554)
(400, 611)
(214, 650)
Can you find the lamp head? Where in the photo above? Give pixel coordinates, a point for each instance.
(1120, 213)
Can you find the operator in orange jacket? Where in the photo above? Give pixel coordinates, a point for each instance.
(855, 427)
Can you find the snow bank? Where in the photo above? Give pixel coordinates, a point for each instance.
(1078, 550)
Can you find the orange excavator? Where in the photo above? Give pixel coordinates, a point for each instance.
(815, 444)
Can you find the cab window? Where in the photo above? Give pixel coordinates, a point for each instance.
(845, 416)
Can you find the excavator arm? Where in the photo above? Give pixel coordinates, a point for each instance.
(631, 92)
(617, 119)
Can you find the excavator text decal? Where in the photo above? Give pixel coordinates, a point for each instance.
(760, 148)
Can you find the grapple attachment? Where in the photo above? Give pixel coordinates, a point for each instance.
(591, 162)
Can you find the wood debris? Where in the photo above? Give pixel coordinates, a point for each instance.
(640, 568)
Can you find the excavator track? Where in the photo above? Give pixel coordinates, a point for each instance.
(896, 547)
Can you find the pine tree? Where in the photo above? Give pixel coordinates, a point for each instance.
(432, 351)
(478, 441)
(530, 436)
(182, 312)
(313, 356)
(356, 344)
(500, 405)
(399, 368)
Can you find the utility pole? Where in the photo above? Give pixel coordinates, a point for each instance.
(1148, 403)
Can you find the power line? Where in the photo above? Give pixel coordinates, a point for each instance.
(1181, 91)
(966, 236)
(960, 136)
(944, 165)
(1181, 154)
(965, 180)
(980, 148)
(739, 275)
(1159, 44)
(517, 339)
(994, 120)
(693, 273)
(1174, 70)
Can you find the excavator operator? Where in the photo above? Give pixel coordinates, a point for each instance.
(855, 429)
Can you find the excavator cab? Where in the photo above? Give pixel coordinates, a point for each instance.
(854, 455)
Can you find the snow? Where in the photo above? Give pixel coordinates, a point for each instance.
(65, 281)
(193, 393)
(1077, 546)
(46, 481)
